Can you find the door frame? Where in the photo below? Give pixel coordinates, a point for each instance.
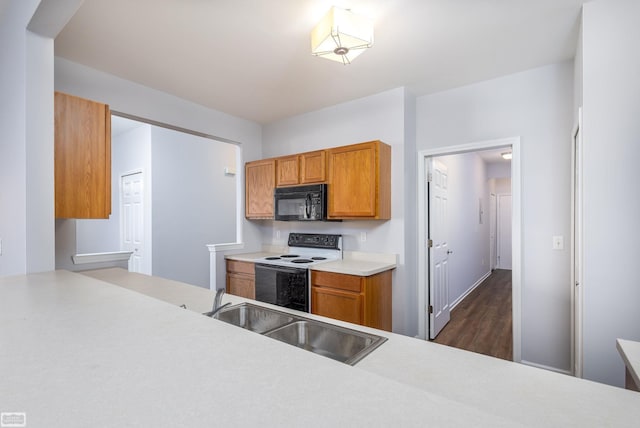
(493, 223)
(499, 228)
(516, 230)
(577, 265)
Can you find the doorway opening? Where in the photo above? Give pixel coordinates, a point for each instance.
(435, 248)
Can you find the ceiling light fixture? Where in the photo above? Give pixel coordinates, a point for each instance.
(506, 155)
(341, 36)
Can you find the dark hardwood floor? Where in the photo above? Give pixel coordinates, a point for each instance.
(482, 321)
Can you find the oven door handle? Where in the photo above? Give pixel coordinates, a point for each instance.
(281, 268)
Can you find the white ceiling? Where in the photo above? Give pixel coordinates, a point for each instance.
(250, 58)
(494, 156)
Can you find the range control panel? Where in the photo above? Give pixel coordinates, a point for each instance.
(315, 240)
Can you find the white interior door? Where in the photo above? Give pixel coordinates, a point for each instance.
(439, 311)
(132, 223)
(504, 232)
(493, 245)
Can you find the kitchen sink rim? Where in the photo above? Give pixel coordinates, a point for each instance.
(377, 339)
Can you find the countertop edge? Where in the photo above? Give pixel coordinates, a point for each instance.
(623, 345)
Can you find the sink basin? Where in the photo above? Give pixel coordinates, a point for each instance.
(341, 344)
(254, 318)
(338, 343)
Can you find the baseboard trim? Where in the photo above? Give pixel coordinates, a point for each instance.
(542, 366)
(473, 287)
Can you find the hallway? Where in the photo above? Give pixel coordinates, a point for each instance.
(482, 322)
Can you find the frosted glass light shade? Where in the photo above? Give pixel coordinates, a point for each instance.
(341, 36)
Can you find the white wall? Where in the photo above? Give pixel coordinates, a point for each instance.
(611, 136)
(500, 185)
(537, 106)
(194, 203)
(377, 117)
(26, 147)
(499, 169)
(131, 98)
(468, 238)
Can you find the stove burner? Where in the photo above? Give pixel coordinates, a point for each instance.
(318, 258)
(289, 256)
(272, 258)
(301, 261)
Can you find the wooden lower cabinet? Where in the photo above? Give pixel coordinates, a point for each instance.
(241, 279)
(364, 300)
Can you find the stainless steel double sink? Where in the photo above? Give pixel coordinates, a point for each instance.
(338, 343)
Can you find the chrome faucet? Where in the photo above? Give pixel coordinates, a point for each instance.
(216, 304)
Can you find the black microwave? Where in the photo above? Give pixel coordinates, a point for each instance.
(301, 203)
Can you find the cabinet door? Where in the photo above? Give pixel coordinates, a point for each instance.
(241, 285)
(287, 169)
(337, 304)
(82, 153)
(360, 181)
(313, 167)
(259, 185)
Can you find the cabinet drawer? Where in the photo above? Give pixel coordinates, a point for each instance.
(240, 267)
(241, 285)
(337, 280)
(336, 304)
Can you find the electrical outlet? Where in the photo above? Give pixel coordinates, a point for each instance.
(363, 236)
(277, 234)
(0, 246)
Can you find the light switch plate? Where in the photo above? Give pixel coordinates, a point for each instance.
(558, 242)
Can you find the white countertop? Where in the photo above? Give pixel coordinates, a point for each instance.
(353, 263)
(82, 352)
(630, 352)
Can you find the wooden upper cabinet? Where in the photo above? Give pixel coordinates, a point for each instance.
(287, 171)
(82, 153)
(303, 168)
(259, 184)
(313, 167)
(360, 181)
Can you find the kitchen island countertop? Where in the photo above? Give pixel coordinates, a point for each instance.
(630, 352)
(78, 343)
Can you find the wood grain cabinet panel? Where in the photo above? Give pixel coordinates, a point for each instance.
(82, 153)
(337, 304)
(241, 279)
(303, 168)
(313, 167)
(259, 185)
(360, 181)
(287, 171)
(364, 300)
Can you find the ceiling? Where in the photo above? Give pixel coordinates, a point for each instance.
(251, 58)
(495, 155)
